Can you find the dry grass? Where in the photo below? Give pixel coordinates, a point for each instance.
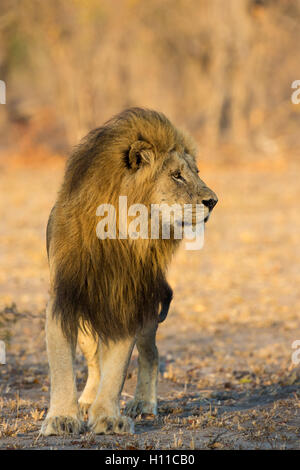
(227, 380)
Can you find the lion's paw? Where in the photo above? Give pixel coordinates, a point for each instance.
(112, 425)
(84, 409)
(140, 407)
(58, 425)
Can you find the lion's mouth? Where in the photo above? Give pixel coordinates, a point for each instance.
(193, 223)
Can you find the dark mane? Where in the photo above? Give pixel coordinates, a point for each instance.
(112, 287)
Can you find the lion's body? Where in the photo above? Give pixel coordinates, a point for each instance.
(111, 289)
(120, 280)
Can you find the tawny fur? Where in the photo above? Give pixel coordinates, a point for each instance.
(113, 287)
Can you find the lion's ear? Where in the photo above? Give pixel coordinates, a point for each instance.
(140, 153)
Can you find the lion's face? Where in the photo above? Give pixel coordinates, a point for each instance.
(179, 183)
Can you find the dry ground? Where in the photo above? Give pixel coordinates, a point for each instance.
(227, 380)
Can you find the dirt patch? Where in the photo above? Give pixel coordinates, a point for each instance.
(227, 380)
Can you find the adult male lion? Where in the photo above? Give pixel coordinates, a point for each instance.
(111, 289)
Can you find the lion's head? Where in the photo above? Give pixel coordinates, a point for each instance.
(140, 154)
(162, 160)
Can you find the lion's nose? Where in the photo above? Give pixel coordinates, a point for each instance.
(210, 203)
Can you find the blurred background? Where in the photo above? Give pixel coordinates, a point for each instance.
(223, 70)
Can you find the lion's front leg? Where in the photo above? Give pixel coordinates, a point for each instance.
(104, 414)
(89, 346)
(63, 415)
(145, 400)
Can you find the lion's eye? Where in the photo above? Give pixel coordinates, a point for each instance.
(177, 176)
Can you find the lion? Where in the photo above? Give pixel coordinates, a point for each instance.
(110, 294)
